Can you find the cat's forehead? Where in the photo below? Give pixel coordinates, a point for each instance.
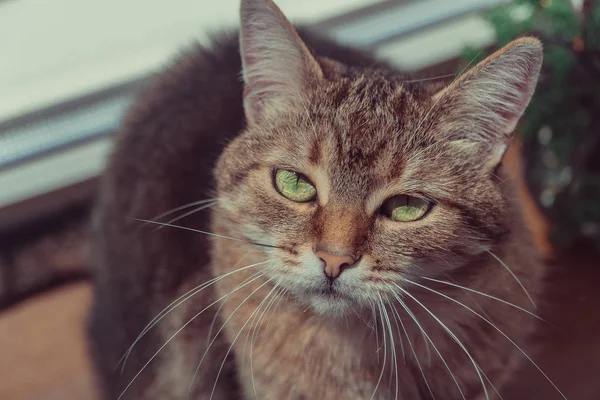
(366, 127)
(373, 92)
(369, 110)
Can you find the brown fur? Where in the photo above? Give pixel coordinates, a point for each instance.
(361, 136)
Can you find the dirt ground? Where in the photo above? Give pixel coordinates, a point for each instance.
(42, 347)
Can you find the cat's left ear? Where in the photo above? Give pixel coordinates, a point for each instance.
(277, 66)
(483, 106)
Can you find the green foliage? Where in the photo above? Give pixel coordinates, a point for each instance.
(561, 127)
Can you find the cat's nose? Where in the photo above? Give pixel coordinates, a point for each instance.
(334, 264)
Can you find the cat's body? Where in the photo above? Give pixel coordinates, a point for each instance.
(289, 338)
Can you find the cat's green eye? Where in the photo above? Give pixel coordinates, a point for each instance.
(294, 186)
(405, 208)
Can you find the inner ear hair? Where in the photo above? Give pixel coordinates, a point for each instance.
(484, 105)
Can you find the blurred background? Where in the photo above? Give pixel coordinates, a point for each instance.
(70, 68)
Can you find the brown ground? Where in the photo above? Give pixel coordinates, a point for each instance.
(42, 347)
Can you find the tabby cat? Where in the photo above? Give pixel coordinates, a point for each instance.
(322, 230)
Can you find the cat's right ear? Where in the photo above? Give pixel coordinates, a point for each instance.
(277, 65)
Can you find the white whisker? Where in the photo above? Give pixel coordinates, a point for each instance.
(367, 323)
(513, 275)
(195, 203)
(223, 327)
(195, 210)
(214, 320)
(394, 358)
(485, 295)
(399, 335)
(278, 295)
(173, 336)
(384, 352)
(376, 331)
(495, 327)
(429, 79)
(254, 324)
(208, 336)
(242, 328)
(281, 296)
(452, 335)
(185, 228)
(416, 321)
(176, 303)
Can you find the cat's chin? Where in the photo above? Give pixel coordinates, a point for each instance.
(328, 304)
(329, 307)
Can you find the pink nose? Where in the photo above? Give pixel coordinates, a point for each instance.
(334, 264)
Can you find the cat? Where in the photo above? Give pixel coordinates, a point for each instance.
(362, 240)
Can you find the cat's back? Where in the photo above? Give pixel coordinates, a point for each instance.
(162, 159)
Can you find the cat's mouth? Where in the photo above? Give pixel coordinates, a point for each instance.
(329, 291)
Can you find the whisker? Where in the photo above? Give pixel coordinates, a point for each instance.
(195, 210)
(399, 336)
(176, 303)
(429, 79)
(281, 296)
(254, 325)
(241, 329)
(203, 232)
(452, 335)
(367, 323)
(183, 207)
(376, 331)
(416, 321)
(223, 327)
(513, 275)
(278, 295)
(485, 376)
(485, 295)
(495, 327)
(384, 352)
(493, 387)
(394, 359)
(173, 336)
(208, 338)
(470, 296)
(412, 347)
(214, 319)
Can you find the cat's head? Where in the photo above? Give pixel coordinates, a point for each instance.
(359, 180)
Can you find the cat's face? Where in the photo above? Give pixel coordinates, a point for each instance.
(359, 173)
(358, 182)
